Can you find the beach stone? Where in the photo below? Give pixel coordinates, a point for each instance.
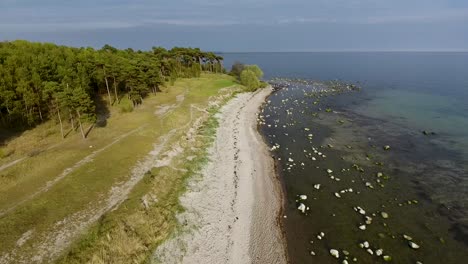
(303, 197)
(312, 253)
(386, 147)
(301, 207)
(362, 227)
(413, 245)
(344, 261)
(387, 258)
(379, 252)
(335, 253)
(407, 237)
(370, 251)
(366, 244)
(384, 215)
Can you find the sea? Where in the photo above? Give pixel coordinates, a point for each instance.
(372, 152)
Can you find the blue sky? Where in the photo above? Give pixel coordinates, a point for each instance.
(242, 25)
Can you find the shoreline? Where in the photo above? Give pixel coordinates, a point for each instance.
(232, 212)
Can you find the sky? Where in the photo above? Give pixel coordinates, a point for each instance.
(242, 25)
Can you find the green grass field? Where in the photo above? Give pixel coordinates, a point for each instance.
(43, 206)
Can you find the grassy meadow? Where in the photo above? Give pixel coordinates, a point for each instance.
(93, 192)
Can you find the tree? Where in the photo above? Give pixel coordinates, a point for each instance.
(249, 79)
(41, 81)
(236, 69)
(258, 72)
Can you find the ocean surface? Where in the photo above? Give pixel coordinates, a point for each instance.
(384, 168)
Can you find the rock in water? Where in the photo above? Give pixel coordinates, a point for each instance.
(384, 215)
(407, 237)
(302, 208)
(335, 253)
(387, 258)
(413, 245)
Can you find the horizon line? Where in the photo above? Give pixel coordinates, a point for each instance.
(350, 51)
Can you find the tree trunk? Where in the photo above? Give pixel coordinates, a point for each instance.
(115, 91)
(108, 91)
(40, 112)
(81, 126)
(72, 121)
(60, 120)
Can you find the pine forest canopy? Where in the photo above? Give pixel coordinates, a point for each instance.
(40, 81)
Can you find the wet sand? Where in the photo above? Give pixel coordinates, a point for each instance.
(232, 210)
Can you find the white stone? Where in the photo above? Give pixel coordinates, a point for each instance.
(335, 253)
(407, 237)
(384, 215)
(302, 207)
(303, 197)
(329, 171)
(379, 252)
(366, 244)
(413, 245)
(362, 227)
(337, 195)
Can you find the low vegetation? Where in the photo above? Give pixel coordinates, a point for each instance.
(248, 75)
(112, 154)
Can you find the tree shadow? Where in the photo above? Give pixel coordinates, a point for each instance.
(102, 112)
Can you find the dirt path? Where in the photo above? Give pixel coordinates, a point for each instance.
(11, 163)
(48, 246)
(231, 211)
(66, 172)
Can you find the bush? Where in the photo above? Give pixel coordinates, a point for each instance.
(249, 79)
(258, 72)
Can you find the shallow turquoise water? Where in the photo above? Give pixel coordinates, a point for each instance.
(403, 94)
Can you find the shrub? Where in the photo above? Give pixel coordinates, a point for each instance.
(249, 79)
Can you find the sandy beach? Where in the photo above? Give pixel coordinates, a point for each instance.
(232, 207)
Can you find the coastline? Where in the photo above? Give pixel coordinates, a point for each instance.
(232, 211)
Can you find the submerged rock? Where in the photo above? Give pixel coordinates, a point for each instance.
(413, 245)
(302, 208)
(387, 258)
(335, 253)
(407, 237)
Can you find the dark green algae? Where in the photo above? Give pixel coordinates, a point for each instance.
(354, 149)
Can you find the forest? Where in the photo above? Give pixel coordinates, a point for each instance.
(44, 81)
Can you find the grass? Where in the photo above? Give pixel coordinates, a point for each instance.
(131, 231)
